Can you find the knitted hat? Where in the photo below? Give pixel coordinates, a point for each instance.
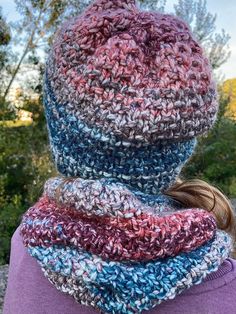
(126, 93)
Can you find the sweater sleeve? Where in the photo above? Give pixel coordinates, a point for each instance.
(29, 292)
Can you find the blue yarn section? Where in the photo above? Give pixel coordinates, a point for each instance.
(132, 287)
(85, 151)
(148, 199)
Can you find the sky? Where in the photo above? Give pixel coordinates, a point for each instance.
(226, 19)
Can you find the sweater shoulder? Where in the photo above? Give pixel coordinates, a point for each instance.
(29, 290)
(224, 276)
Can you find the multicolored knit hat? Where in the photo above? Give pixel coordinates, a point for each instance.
(126, 93)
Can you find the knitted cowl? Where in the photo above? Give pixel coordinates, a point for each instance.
(106, 246)
(126, 93)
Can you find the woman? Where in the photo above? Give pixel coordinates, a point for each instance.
(126, 94)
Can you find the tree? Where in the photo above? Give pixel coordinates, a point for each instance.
(203, 26)
(5, 56)
(214, 158)
(229, 91)
(41, 18)
(38, 23)
(25, 164)
(157, 5)
(4, 39)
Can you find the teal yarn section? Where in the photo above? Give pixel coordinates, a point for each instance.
(82, 150)
(124, 287)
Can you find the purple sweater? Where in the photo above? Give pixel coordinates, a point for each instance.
(29, 292)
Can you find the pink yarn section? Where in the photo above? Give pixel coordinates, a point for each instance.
(140, 75)
(141, 238)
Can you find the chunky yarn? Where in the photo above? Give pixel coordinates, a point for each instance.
(114, 287)
(85, 151)
(138, 75)
(136, 234)
(126, 93)
(105, 257)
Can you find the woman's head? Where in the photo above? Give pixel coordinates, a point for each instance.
(126, 94)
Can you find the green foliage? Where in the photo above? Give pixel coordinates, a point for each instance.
(14, 123)
(34, 31)
(229, 92)
(40, 18)
(24, 166)
(215, 156)
(5, 37)
(10, 212)
(4, 31)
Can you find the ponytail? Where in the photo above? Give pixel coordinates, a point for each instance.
(198, 193)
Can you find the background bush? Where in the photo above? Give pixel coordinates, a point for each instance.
(24, 166)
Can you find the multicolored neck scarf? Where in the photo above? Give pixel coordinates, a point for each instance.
(116, 249)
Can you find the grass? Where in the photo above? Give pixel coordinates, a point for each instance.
(15, 123)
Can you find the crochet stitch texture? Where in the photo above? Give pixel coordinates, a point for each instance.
(126, 93)
(118, 82)
(125, 261)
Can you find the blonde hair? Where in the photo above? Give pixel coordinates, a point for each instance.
(200, 194)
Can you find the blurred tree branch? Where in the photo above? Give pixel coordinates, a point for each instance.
(203, 26)
(37, 25)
